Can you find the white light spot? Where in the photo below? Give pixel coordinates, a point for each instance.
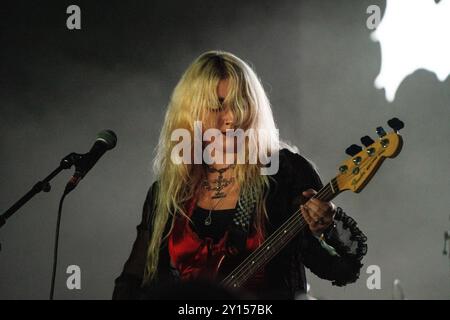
(413, 35)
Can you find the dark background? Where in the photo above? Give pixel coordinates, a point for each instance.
(59, 88)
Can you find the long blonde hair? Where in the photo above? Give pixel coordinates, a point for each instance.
(193, 97)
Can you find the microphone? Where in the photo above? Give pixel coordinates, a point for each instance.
(106, 140)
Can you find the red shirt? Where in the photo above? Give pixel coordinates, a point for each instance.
(197, 258)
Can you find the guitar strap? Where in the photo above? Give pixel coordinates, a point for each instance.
(237, 237)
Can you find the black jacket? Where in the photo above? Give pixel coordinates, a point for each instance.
(285, 273)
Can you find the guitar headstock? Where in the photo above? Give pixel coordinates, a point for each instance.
(357, 171)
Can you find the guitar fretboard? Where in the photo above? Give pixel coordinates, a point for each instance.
(275, 242)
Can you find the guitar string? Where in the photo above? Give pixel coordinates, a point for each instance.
(257, 257)
(287, 226)
(272, 237)
(241, 277)
(294, 221)
(258, 254)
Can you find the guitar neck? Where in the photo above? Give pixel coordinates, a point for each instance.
(276, 241)
(354, 175)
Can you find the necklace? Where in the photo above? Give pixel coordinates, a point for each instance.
(208, 219)
(220, 182)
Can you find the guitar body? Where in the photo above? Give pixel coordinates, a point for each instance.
(224, 266)
(219, 266)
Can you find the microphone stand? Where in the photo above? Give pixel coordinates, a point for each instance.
(446, 239)
(40, 186)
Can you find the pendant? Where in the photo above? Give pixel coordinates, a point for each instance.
(219, 195)
(208, 220)
(221, 183)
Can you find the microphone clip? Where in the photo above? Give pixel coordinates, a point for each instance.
(73, 159)
(70, 160)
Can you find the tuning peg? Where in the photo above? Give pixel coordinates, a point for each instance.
(367, 141)
(380, 131)
(396, 124)
(353, 150)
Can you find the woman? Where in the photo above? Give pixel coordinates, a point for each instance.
(199, 211)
